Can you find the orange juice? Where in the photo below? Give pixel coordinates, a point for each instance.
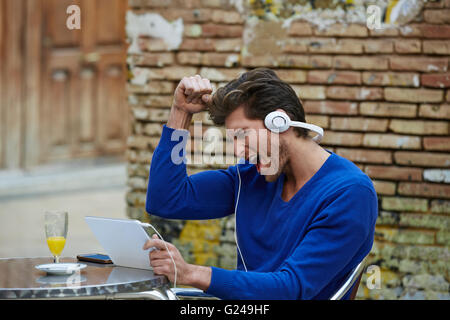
(56, 245)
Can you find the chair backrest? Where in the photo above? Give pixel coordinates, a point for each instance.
(353, 279)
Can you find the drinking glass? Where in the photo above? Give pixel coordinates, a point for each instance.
(56, 224)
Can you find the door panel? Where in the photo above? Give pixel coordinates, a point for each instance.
(56, 31)
(59, 103)
(113, 120)
(110, 31)
(88, 112)
(84, 104)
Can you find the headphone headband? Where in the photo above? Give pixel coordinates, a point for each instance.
(279, 122)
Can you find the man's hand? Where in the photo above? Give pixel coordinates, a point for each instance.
(192, 95)
(187, 274)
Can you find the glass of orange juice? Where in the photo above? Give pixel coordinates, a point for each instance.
(56, 224)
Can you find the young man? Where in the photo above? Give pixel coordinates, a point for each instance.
(301, 228)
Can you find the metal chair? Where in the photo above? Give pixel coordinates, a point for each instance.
(353, 279)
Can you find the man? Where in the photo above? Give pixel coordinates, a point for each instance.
(300, 229)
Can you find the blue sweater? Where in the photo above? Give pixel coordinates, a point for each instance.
(300, 249)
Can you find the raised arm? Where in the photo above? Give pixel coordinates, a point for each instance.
(171, 192)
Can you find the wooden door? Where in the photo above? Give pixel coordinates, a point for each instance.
(83, 110)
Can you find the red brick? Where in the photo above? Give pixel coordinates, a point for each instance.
(413, 95)
(189, 57)
(391, 79)
(408, 46)
(210, 4)
(291, 76)
(436, 47)
(149, 4)
(191, 4)
(354, 93)
(423, 64)
(226, 16)
(411, 30)
(300, 28)
(151, 59)
(441, 16)
(320, 62)
(394, 173)
(366, 156)
(321, 121)
(202, 44)
(436, 80)
(435, 31)
(221, 30)
(228, 45)
(309, 92)
(436, 143)
(168, 73)
(384, 32)
(287, 61)
(384, 109)
(379, 46)
(432, 190)
(423, 159)
(393, 141)
(342, 30)
(342, 139)
(152, 44)
(358, 124)
(156, 101)
(435, 111)
(335, 77)
(361, 62)
(331, 45)
(188, 15)
(384, 187)
(330, 107)
(220, 59)
(159, 87)
(419, 127)
(294, 45)
(220, 74)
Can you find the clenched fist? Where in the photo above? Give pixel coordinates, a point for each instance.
(193, 94)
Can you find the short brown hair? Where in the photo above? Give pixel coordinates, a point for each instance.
(260, 91)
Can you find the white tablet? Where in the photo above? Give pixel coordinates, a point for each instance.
(122, 239)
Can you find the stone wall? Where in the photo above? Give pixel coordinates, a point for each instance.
(382, 96)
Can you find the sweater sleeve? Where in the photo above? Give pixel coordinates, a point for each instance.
(172, 194)
(338, 238)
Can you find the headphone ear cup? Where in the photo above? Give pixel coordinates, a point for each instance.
(277, 121)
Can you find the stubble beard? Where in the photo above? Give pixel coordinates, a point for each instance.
(283, 159)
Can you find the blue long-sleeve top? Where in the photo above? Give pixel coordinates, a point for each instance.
(300, 249)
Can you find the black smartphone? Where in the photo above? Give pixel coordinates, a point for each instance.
(95, 257)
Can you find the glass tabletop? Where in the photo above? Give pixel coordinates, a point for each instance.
(20, 279)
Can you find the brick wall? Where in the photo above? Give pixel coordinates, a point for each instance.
(382, 97)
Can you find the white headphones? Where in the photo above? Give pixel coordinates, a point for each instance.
(278, 122)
